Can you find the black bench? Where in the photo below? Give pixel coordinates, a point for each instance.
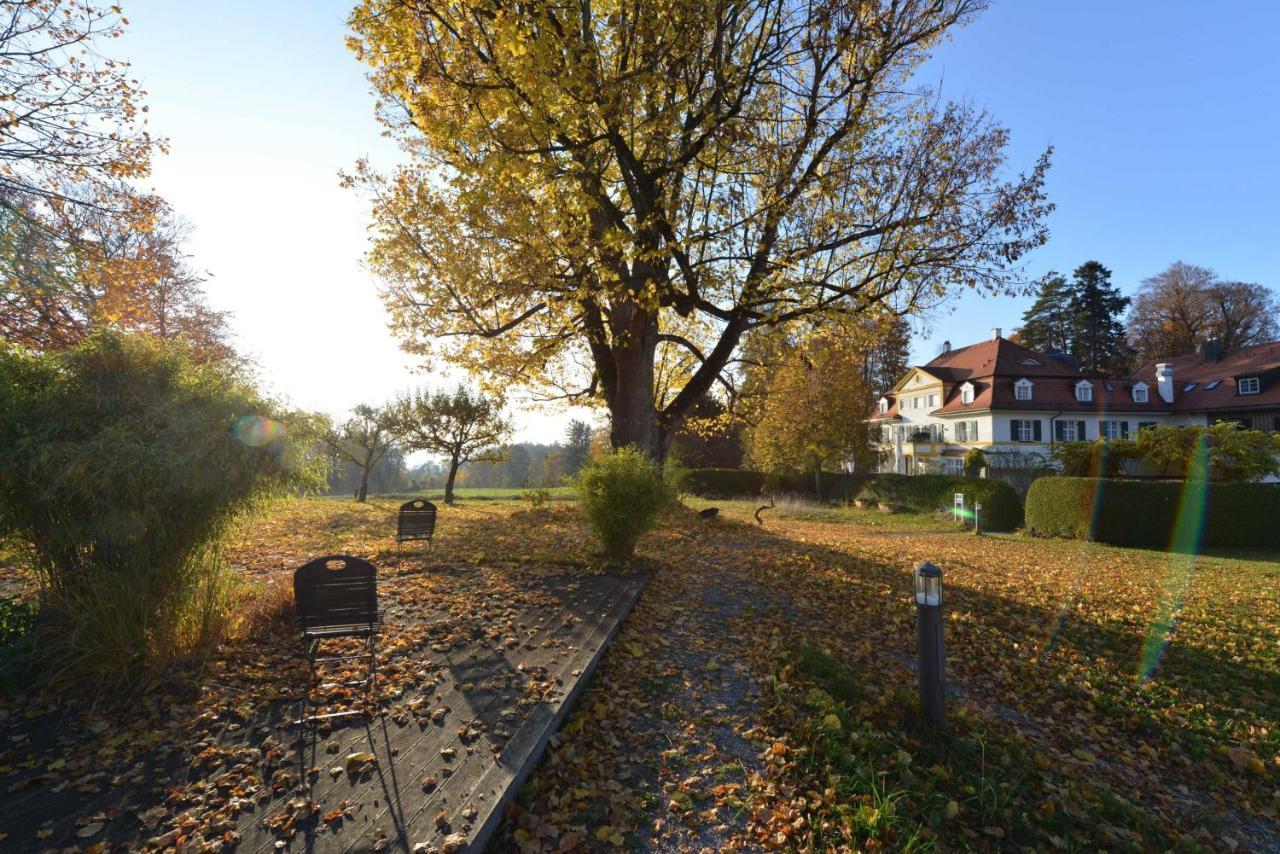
(336, 596)
(416, 521)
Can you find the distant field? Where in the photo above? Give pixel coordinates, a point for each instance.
(480, 493)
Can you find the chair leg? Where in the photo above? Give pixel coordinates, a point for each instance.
(310, 649)
(371, 673)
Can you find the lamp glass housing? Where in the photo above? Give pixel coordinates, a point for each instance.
(928, 585)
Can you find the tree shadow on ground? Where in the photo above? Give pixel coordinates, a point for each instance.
(1020, 660)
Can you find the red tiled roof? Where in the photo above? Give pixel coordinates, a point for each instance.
(1261, 361)
(994, 366)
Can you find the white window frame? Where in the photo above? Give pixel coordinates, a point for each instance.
(1141, 393)
(1022, 390)
(1069, 431)
(953, 466)
(966, 393)
(973, 431)
(962, 431)
(1107, 432)
(1084, 391)
(1026, 429)
(884, 405)
(915, 402)
(1249, 385)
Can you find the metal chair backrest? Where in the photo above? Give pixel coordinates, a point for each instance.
(417, 520)
(335, 592)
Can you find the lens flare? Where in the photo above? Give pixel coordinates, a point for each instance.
(255, 431)
(1183, 548)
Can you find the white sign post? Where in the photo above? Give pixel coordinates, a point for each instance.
(957, 509)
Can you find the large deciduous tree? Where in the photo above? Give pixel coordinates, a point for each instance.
(810, 401)
(598, 192)
(70, 267)
(463, 426)
(1178, 309)
(72, 116)
(363, 440)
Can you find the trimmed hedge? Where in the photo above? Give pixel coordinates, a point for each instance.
(729, 483)
(719, 483)
(922, 493)
(1144, 513)
(929, 493)
(836, 486)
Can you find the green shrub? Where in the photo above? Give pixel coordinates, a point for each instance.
(930, 493)
(122, 465)
(974, 462)
(536, 497)
(17, 622)
(719, 483)
(1145, 513)
(621, 494)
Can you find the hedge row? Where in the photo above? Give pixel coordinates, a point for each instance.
(929, 493)
(720, 483)
(730, 483)
(925, 493)
(1147, 513)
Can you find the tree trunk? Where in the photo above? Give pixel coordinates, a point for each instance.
(817, 479)
(633, 417)
(454, 465)
(364, 484)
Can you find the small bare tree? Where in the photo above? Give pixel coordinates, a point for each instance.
(464, 426)
(363, 440)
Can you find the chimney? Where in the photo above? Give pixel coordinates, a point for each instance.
(946, 346)
(1164, 381)
(1212, 350)
(995, 333)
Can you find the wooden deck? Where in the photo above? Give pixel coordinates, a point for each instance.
(482, 693)
(448, 760)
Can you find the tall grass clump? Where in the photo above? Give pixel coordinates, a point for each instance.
(123, 463)
(621, 494)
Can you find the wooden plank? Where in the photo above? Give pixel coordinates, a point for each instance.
(403, 811)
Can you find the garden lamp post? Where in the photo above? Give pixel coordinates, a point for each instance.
(932, 669)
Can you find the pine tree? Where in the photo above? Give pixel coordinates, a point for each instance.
(577, 446)
(888, 354)
(1050, 322)
(1097, 305)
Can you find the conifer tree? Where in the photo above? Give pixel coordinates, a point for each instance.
(1099, 341)
(1049, 323)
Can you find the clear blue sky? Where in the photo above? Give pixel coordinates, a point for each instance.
(1165, 118)
(1165, 123)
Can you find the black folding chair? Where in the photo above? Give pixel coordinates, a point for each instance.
(337, 597)
(416, 521)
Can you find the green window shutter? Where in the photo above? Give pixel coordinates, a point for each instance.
(1124, 429)
(1057, 431)
(1036, 429)
(973, 430)
(1080, 434)
(1015, 427)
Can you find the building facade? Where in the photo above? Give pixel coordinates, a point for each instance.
(1015, 403)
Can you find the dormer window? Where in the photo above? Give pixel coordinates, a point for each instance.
(1248, 385)
(1084, 391)
(884, 405)
(966, 393)
(1140, 393)
(1022, 389)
